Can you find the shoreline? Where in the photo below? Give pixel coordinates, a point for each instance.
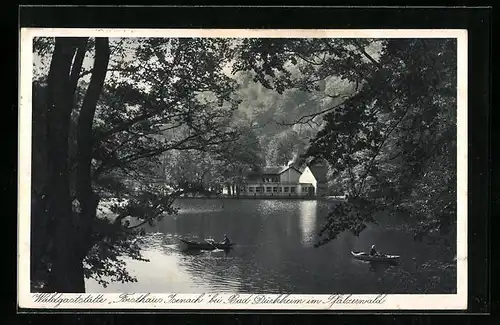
(266, 197)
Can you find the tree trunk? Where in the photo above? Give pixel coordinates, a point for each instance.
(87, 198)
(67, 269)
(40, 238)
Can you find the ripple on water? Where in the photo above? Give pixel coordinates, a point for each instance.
(271, 260)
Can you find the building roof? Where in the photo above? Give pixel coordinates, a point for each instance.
(272, 170)
(293, 167)
(276, 170)
(319, 172)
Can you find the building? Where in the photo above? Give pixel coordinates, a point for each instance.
(315, 175)
(286, 181)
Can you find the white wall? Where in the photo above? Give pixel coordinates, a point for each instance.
(280, 190)
(289, 178)
(308, 177)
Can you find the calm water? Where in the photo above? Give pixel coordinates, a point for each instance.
(275, 254)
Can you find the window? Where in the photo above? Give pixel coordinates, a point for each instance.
(292, 189)
(275, 179)
(250, 189)
(304, 189)
(286, 189)
(275, 189)
(268, 189)
(281, 189)
(257, 189)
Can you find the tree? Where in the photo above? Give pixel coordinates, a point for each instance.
(103, 129)
(240, 157)
(284, 148)
(65, 263)
(171, 95)
(226, 164)
(389, 139)
(395, 141)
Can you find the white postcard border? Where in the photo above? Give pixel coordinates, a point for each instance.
(256, 301)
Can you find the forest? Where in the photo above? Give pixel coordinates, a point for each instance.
(112, 116)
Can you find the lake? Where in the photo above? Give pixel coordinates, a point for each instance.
(275, 253)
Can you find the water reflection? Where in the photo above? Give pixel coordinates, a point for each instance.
(191, 252)
(380, 267)
(216, 268)
(164, 272)
(195, 251)
(308, 214)
(274, 254)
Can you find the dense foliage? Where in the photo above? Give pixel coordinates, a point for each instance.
(128, 125)
(390, 139)
(121, 105)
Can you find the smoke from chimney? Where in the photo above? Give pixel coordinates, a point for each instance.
(293, 160)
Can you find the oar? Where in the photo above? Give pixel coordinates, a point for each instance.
(211, 244)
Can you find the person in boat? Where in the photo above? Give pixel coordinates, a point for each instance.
(226, 240)
(373, 251)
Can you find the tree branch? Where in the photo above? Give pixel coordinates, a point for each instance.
(368, 56)
(179, 145)
(377, 152)
(307, 60)
(124, 125)
(121, 69)
(85, 119)
(306, 119)
(77, 65)
(169, 201)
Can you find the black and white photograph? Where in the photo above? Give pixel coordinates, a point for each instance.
(243, 168)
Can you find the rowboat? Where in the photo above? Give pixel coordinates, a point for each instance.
(208, 245)
(374, 258)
